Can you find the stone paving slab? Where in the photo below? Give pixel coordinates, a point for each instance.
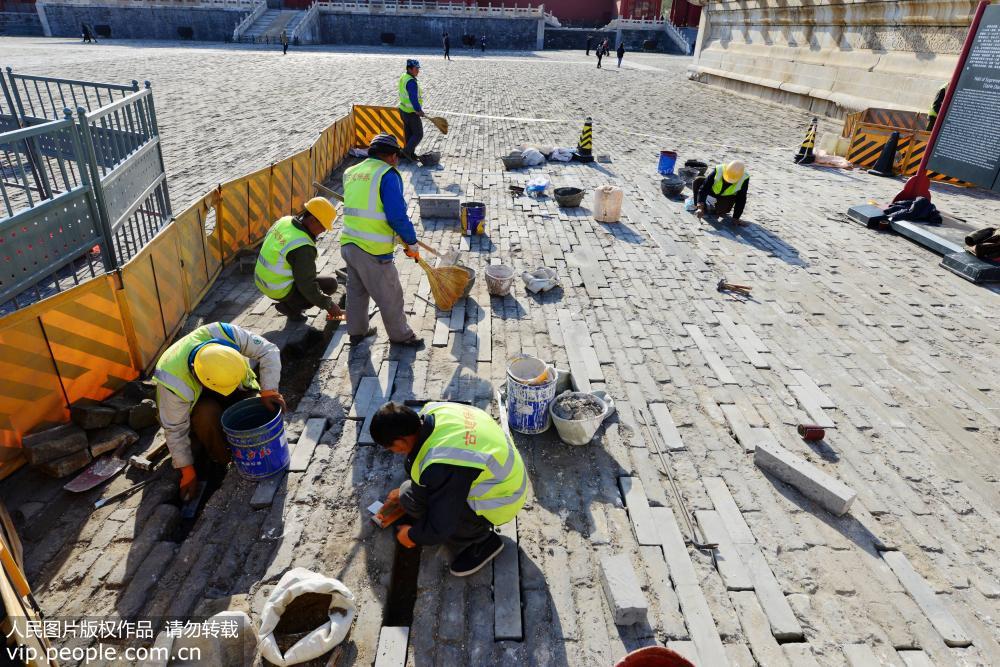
(862, 329)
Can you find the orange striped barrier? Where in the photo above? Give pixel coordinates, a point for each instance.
(371, 121)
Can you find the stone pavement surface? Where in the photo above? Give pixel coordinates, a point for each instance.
(861, 332)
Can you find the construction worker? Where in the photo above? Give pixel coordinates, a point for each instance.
(936, 106)
(201, 375)
(722, 190)
(374, 219)
(465, 477)
(286, 265)
(410, 108)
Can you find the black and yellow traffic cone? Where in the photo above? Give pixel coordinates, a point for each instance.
(585, 148)
(805, 154)
(887, 158)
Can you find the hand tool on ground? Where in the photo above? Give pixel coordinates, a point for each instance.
(448, 283)
(723, 286)
(328, 192)
(811, 432)
(101, 470)
(651, 443)
(190, 508)
(149, 458)
(390, 512)
(440, 123)
(121, 495)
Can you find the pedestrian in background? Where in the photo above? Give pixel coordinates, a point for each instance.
(590, 43)
(446, 40)
(600, 54)
(88, 35)
(284, 42)
(482, 43)
(621, 53)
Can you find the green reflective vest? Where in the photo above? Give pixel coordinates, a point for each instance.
(365, 224)
(731, 190)
(468, 437)
(404, 96)
(174, 372)
(273, 274)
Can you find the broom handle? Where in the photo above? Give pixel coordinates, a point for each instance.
(428, 248)
(328, 192)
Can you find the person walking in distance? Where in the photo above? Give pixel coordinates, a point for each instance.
(410, 101)
(621, 53)
(590, 43)
(284, 42)
(482, 43)
(600, 54)
(446, 40)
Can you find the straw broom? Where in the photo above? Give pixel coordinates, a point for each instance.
(440, 123)
(447, 283)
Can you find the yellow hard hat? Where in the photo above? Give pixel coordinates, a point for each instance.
(220, 368)
(322, 210)
(733, 171)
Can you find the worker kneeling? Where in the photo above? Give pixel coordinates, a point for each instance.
(201, 375)
(466, 477)
(286, 266)
(722, 190)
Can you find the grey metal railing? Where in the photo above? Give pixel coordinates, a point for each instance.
(91, 184)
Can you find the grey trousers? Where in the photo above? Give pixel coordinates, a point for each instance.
(369, 277)
(413, 128)
(471, 529)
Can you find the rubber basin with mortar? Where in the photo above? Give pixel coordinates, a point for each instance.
(569, 197)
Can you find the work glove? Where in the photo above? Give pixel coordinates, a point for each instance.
(403, 537)
(393, 495)
(335, 313)
(272, 400)
(412, 253)
(189, 483)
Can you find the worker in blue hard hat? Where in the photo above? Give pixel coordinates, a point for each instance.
(411, 109)
(201, 375)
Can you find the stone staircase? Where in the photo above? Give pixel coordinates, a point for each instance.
(268, 27)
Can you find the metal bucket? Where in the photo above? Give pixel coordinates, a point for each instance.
(528, 397)
(256, 438)
(473, 218)
(667, 161)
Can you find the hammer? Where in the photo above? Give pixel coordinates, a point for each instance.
(723, 286)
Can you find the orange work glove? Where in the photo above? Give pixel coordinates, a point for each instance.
(335, 314)
(393, 495)
(189, 483)
(411, 253)
(272, 400)
(403, 537)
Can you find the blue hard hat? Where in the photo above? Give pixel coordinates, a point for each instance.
(412, 62)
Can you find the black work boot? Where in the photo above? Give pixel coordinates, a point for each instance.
(473, 558)
(292, 315)
(354, 340)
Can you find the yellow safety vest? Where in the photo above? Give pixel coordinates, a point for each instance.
(174, 372)
(365, 223)
(718, 181)
(468, 437)
(273, 274)
(404, 96)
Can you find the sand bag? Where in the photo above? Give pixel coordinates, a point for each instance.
(337, 620)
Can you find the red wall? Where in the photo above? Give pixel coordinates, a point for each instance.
(596, 12)
(685, 15)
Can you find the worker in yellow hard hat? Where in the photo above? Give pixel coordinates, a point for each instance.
(722, 190)
(286, 266)
(201, 375)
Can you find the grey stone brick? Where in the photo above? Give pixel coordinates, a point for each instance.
(621, 587)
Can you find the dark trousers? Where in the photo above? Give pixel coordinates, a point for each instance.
(600, 55)
(413, 130)
(284, 48)
(472, 528)
(296, 303)
(206, 424)
(620, 61)
(724, 204)
(447, 53)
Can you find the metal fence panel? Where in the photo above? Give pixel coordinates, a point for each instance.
(139, 283)
(233, 214)
(42, 98)
(302, 178)
(281, 188)
(191, 245)
(259, 201)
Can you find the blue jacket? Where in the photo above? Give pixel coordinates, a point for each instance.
(411, 89)
(391, 191)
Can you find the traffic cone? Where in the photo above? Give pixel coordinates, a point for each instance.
(883, 166)
(584, 149)
(805, 154)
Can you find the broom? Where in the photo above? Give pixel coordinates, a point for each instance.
(448, 283)
(440, 123)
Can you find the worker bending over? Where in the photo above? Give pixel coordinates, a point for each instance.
(722, 190)
(286, 265)
(374, 219)
(201, 375)
(411, 101)
(935, 109)
(465, 477)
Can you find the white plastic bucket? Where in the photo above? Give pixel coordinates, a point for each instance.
(608, 203)
(531, 387)
(581, 431)
(499, 279)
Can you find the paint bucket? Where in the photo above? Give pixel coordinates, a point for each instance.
(811, 432)
(667, 161)
(473, 218)
(256, 439)
(581, 431)
(531, 387)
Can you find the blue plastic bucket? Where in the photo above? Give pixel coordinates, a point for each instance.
(528, 404)
(256, 439)
(473, 218)
(667, 161)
